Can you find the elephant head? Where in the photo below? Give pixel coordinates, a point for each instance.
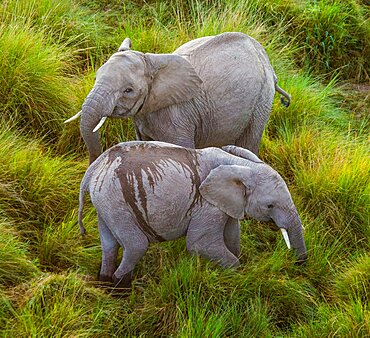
(256, 191)
(132, 83)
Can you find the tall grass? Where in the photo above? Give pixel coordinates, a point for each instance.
(38, 194)
(63, 305)
(43, 46)
(49, 52)
(16, 266)
(63, 23)
(34, 89)
(353, 283)
(331, 176)
(332, 36)
(41, 187)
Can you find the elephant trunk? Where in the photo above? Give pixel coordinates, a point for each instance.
(297, 242)
(97, 105)
(295, 233)
(293, 227)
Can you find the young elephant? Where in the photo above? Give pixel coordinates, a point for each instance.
(153, 191)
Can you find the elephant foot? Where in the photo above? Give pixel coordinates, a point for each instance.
(104, 281)
(302, 259)
(122, 284)
(104, 278)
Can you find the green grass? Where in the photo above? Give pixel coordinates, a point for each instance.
(353, 284)
(332, 37)
(64, 23)
(49, 53)
(59, 305)
(15, 265)
(34, 89)
(37, 186)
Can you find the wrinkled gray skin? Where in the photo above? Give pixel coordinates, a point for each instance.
(153, 191)
(211, 91)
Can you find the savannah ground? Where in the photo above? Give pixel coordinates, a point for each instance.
(49, 53)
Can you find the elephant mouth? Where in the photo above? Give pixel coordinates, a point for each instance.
(121, 111)
(272, 225)
(141, 106)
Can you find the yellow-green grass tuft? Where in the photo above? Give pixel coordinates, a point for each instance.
(354, 281)
(332, 36)
(35, 91)
(16, 264)
(5, 312)
(350, 320)
(60, 305)
(60, 246)
(35, 186)
(64, 23)
(161, 27)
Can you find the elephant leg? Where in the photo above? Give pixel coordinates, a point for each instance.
(137, 133)
(252, 134)
(109, 246)
(135, 244)
(140, 136)
(232, 235)
(133, 251)
(205, 236)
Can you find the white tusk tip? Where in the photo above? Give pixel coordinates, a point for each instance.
(286, 237)
(99, 124)
(73, 117)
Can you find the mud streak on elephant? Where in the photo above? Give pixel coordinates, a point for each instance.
(144, 160)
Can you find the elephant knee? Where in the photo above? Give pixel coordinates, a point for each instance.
(192, 247)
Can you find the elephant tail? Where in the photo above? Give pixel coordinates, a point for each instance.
(83, 190)
(285, 98)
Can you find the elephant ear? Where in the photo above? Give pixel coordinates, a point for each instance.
(242, 152)
(174, 80)
(228, 187)
(125, 45)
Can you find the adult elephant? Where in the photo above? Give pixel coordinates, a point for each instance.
(211, 91)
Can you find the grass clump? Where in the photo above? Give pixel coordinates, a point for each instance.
(354, 282)
(64, 23)
(35, 92)
(42, 45)
(16, 266)
(60, 246)
(350, 321)
(332, 37)
(330, 42)
(63, 305)
(39, 194)
(43, 187)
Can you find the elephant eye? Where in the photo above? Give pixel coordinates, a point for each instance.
(128, 90)
(270, 206)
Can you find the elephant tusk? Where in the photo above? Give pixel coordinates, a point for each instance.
(99, 124)
(286, 237)
(73, 117)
